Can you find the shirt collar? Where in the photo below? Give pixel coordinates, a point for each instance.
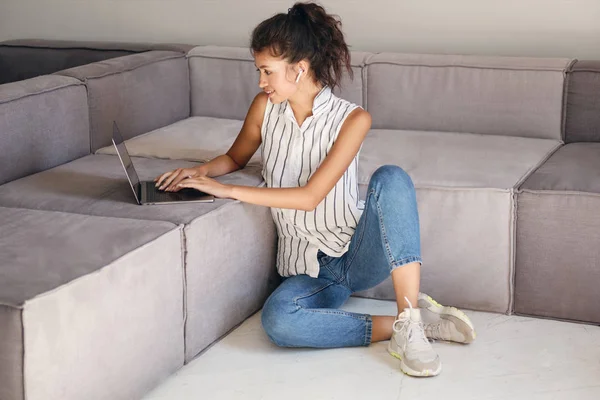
(319, 104)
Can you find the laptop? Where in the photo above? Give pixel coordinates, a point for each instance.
(146, 192)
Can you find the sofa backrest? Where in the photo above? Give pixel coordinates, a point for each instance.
(27, 58)
(224, 81)
(21, 60)
(43, 123)
(583, 102)
(511, 96)
(141, 92)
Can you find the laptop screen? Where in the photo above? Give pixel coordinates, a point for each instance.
(134, 180)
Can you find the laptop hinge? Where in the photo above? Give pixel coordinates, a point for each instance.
(141, 193)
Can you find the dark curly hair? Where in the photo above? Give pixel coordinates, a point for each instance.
(306, 32)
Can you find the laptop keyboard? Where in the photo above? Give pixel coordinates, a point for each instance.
(153, 195)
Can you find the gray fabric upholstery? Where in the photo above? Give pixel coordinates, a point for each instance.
(440, 159)
(230, 258)
(20, 63)
(27, 58)
(11, 353)
(192, 139)
(473, 94)
(468, 239)
(465, 194)
(141, 92)
(224, 81)
(96, 185)
(583, 103)
(43, 123)
(91, 242)
(575, 167)
(95, 308)
(557, 268)
(353, 89)
(136, 47)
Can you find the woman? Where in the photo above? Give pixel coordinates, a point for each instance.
(330, 243)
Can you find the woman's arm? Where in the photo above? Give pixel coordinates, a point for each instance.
(331, 170)
(241, 151)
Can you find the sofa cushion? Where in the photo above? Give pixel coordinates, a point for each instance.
(141, 92)
(454, 160)
(225, 81)
(97, 185)
(583, 103)
(193, 139)
(25, 59)
(575, 167)
(465, 194)
(43, 123)
(512, 96)
(230, 270)
(557, 255)
(90, 307)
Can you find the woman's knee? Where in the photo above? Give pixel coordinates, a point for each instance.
(277, 321)
(392, 177)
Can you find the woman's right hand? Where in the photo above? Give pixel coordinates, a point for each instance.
(169, 180)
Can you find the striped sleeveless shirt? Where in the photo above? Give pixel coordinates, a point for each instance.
(291, 154)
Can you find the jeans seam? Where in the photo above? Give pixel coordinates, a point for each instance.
(327, 263)
(295, 299)
(360, 238)
(338, 279)
(368, 330)
(406, 260)
(384, 234)
(334, 311)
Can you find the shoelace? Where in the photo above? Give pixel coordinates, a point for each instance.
(415, 331)
(433, 331)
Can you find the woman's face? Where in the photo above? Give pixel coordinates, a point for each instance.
(276, 76)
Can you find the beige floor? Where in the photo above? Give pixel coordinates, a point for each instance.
(513, 358)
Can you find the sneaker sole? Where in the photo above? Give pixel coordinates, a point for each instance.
(440, 310)
(411, 372)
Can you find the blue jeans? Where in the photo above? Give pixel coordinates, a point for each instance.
(303, 311)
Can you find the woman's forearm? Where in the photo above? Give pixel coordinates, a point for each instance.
(221, 165)
(295, 198)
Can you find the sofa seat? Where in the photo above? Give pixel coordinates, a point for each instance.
(194, 139)
(96, 185)
(558, 257)
(465, 191)
(90, 307)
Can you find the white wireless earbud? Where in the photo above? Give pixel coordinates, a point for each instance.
(299, 75)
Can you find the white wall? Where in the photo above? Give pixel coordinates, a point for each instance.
(569, 28)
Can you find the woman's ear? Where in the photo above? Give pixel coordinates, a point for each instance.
(303, 66)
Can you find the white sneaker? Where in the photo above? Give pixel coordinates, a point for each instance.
(445, 323)
(410, 345)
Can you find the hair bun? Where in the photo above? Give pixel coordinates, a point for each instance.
(306, 32)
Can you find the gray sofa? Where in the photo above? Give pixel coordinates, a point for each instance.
(102, 298)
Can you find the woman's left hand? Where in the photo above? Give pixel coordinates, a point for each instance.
(206, 185)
